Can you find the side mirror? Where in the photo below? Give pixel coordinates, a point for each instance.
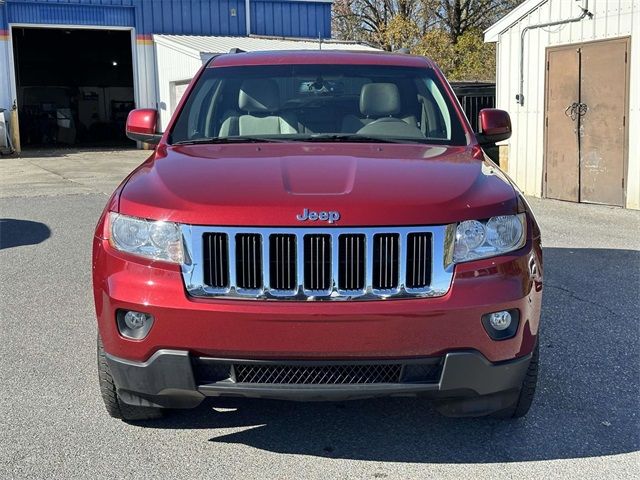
(494, 126)
(141, 125)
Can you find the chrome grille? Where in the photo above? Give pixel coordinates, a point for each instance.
(317, 262)
(336, 263)
(318, 375)
(249, 261)
(351, 257)
(216, 260)
(385, 261)
(282, 262)
(418, 260)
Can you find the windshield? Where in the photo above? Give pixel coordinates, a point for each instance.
(352, 103)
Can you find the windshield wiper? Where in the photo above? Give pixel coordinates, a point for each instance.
(215, 140)
(351, 137)
(319, 137)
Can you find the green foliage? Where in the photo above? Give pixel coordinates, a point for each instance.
(469, 59)
(448, 31)
(436, 44)
(475, 60)
(401, 32)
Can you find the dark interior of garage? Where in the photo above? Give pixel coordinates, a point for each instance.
(75, 87)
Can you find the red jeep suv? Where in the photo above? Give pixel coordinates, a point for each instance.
(318, 225)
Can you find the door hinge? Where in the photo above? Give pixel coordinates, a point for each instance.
(547, 65)
(546, 121)
(625, 56)
(624, 120)
(623, 182)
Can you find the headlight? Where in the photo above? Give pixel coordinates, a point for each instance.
(481, 239)
(155, 240)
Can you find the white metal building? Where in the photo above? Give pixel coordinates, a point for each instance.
(179, 57)
(568, 72)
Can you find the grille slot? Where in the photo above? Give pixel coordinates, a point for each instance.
(209, 371)
(418, 260)
(282, 262)
(317, 262)
(427, 372)
(351, 275)
(216, 260)
(385, 261)
(317, 375)
(249, 261)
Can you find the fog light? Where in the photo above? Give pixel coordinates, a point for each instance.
(498, 320)
(135, 320)
(132, 324)
(501, 325)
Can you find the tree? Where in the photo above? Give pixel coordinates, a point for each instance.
(457, 17)
(370, 20)
(448, 31)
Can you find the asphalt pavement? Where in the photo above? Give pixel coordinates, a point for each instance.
(584, 423)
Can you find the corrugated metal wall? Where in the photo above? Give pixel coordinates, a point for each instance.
(5, 96)
(291, 19)
(182, 17)
(191, 17)
(612, 18)
(179, 17)
(174, 66)
(57, 12)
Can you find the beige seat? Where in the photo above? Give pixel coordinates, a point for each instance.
(260, 99)
(377, 100)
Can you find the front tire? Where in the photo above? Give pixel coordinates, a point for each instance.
(116, 408)
(527, 391)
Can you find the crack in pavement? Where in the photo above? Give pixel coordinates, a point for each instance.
(573, 295)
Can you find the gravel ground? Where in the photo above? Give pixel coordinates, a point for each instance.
(584, 422)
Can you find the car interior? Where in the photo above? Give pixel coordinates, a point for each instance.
(241, 106)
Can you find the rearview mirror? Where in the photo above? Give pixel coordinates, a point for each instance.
(494, 126)
(142, 125)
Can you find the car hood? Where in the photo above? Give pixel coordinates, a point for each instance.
(270, 184)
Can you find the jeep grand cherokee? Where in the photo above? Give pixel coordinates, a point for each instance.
(318, 226)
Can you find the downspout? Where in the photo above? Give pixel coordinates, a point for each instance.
(585, 13)
(247, 16)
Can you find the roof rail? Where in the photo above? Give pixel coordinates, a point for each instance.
(237, 50)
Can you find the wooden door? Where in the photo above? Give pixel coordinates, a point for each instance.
(603, 139)
(586, 135)
(561, 147)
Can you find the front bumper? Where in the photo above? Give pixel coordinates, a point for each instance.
(385, 329)
(174, 379)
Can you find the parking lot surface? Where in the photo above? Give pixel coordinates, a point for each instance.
(584, 422)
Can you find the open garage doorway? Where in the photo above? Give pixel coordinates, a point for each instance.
(74, 86)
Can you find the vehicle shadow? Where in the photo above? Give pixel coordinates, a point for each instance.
(586, 404)
(14, 233)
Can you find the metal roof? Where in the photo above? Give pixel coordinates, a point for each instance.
(197, 45)
(321, 57)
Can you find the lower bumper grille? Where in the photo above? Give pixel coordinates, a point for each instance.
(318, 375)
(210, 370)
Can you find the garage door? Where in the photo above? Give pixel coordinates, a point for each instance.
(585, 122)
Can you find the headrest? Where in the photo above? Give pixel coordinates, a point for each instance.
(379, 100)
(259, 95)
